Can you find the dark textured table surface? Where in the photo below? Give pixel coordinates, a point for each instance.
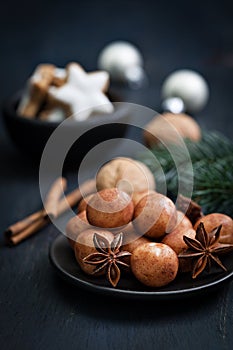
(37, 309)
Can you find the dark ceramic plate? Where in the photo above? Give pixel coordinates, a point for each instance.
(62, 258)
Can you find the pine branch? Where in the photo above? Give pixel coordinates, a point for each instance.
(212, 162)
(213, 184)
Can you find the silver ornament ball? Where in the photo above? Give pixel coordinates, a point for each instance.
(189, 86)
(122, 61)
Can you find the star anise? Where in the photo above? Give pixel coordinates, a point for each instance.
(108, 257)
(204, 249)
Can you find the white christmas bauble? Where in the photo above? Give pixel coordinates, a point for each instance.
(122, 60)
(188, 85)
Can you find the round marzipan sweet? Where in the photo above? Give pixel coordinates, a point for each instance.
(137, 196)
(83, 203)
(155, 215)
(183, 228)
(133, 244)
(211, 221)
(84, 246)
(183, 222)
(126, 174)
(154, 264)
(175, 239)
(110, 208)
(171, 128)
(75, 226)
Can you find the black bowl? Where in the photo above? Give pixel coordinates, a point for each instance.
(31, 135)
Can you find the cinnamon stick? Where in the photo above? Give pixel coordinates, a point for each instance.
(23, 224)
(35, 222)
(74, 197)
(28, 231)
(51, 208)
(53, 197)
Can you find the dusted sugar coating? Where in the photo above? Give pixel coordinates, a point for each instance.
(175, 239)
(171, 128)
(83, 203)
(127, 175)
(84, 246)
(154, 264)
(137, 196)
(127, 230)
(182, 222)
(155, 215)
(133, 244)
(211, 221)
(75, 226)
(110, 208)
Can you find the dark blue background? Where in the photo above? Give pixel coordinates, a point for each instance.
(170, 34)
(37, 310)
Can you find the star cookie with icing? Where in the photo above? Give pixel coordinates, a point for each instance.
(83, 94)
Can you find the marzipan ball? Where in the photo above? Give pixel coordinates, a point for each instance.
(155, 215)
(75, 226)
(110, 208)
(127, 231)
(175, 239)
(137, 196)
(154, 264)
(183, 222)
(85, 246)
(211, 221)
(83, 203)
(133, 244)
(171, 128)
(127, 175)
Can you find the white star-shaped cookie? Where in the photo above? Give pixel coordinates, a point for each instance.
(83, 93)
